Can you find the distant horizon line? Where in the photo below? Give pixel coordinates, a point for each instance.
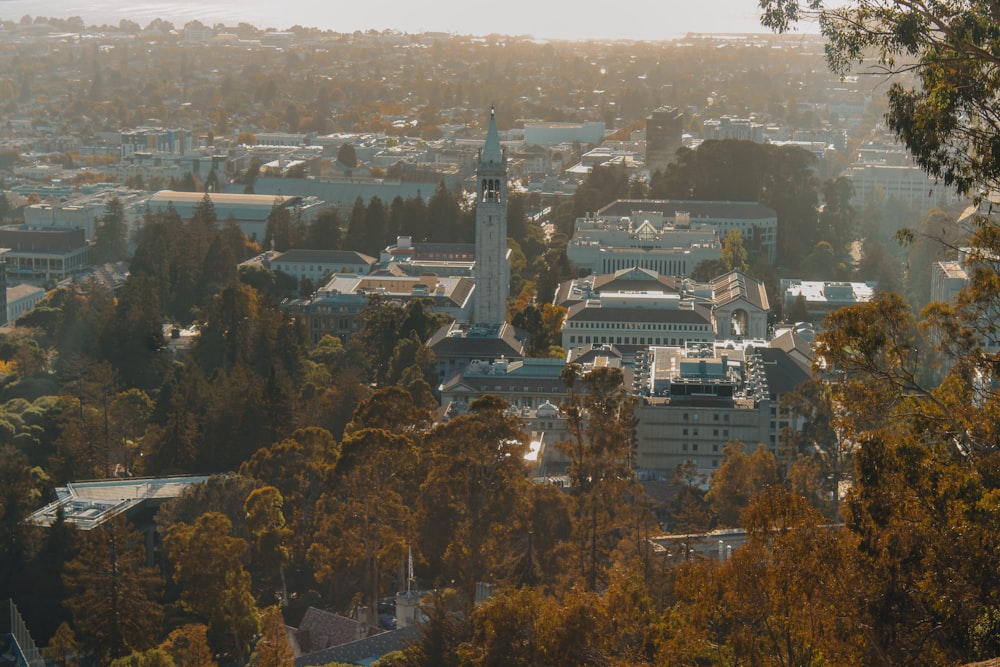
(648, 21)
(451, 32)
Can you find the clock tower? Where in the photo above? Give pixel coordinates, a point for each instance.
(492, 270)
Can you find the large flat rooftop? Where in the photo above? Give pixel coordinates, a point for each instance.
(87, 505)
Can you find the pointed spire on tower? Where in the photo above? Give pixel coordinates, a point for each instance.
(491, 153)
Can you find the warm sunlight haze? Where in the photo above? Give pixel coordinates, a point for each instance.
(640, 20)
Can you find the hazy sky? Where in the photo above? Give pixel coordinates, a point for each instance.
(634, 19)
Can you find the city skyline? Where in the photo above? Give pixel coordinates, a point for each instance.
(643, 20)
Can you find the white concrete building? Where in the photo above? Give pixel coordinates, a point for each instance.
(645, 240)
(668, 236)
(698, 398)
(319, 266)
(636, 307)
(822, 297)
(948, 278)
(86, 209)
(249, 211)
(550, 134)
(21, 299)
(890, 169)
(638, 320)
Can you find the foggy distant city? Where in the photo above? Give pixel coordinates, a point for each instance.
(644, 20)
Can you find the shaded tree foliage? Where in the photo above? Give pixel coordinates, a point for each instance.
(215, 587)
(113, 598)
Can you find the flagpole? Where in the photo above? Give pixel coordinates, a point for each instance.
(409, 561)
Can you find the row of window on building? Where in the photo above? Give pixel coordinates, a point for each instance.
(625, 340)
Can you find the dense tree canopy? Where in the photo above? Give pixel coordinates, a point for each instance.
(947, 117)
(215, 587)
(114, 593)
(341, 472)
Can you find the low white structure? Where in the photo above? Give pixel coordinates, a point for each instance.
(550, 134)
(648, 240)
(249, 211)
(758, 224)
(319, 265)
(87, 505)
(822, 297)
(21, 299)
(635, 308)
(84, 211)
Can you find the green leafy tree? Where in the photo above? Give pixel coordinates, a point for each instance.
(544, 325)
(204, 214)
(214, 585)
(273, 649)
(474, 485)
(409, 352)
(135, 344)
(822, 263)
(158, 254)
(444, 217)
(880, 266)
(301, 468)
(271, 536)
(601, 423)
(838, 221)
(707, 269)
(324, 232)
(5, 206)
(111, 244)
(873, 348)
(392, 408)
(331, 353)
(113, 599)
(380, 331)
(948, 125)
(798, 311)
(374, 235)
(347, 156)
(442, 633)
(689, 511)
(734, 254)
(63, 649)
(153, 657)
(188, 645)
(821, 435)
(356, 226)
(935, 240)
(787, 593)
(738, 480)
(223, 493)
(228, 248)
(283, 229)
(780, 177)
(231, 320)
(21, 487)
(367, 517)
